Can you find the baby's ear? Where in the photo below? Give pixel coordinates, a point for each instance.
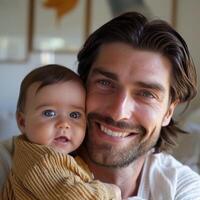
(21, 121)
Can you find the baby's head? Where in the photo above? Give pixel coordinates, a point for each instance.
(51, 108)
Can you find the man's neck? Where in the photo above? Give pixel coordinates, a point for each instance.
(127, 178)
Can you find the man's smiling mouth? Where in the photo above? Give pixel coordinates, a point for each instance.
(113, 129)
(113, 133)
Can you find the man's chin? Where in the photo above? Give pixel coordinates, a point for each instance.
(107, 156)
(111, 158)
(105, 152)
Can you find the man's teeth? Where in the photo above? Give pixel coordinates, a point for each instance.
(113, 133)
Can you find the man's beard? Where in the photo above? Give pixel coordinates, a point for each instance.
(106, 154)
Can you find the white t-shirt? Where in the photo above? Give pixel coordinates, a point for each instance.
(164, 178)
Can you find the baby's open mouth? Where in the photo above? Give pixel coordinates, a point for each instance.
(62, 139)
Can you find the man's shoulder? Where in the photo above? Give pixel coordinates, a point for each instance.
(6, 152)
(8, 145)
(164, 160)
(167, 163)
(172, 177)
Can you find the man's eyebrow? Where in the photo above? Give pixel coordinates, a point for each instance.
(148, 85)
(151, 85)
(105, 73)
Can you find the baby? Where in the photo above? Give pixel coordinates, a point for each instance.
(51, 116)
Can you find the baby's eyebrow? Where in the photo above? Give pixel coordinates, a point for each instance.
(75, 107)
(78, 108)
(42, 105)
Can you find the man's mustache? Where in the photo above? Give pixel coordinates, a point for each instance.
(119, 124)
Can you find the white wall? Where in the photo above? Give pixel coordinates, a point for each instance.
(188, 24)
(12, 74)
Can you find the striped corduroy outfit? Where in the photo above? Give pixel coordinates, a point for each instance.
(39, 172)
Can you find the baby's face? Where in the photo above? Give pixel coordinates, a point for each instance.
(55, 115)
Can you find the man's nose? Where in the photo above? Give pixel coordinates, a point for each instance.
(62, 123)
(121, 106)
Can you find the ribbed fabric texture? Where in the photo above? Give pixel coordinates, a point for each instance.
(39, 172)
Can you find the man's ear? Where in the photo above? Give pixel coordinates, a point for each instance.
(169, 113)
(21, 121)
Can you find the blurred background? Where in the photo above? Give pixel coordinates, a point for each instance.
(38, 32)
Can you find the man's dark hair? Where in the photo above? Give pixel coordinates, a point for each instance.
(46, 75)
(158, 36)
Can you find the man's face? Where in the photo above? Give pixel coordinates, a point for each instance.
(55, 115)
(127, 103)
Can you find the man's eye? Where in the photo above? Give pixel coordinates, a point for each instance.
(104, 83)
(75, 115)
(49, 113)
(147, 94)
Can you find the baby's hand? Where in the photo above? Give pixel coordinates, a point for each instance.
(115, 190)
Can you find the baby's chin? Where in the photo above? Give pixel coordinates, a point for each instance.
(61, 145)
(59, 149)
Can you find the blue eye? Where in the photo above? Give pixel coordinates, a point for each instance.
(49, 113)
(75, 115)
(147, 94)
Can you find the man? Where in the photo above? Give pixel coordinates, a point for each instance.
(136, 73)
